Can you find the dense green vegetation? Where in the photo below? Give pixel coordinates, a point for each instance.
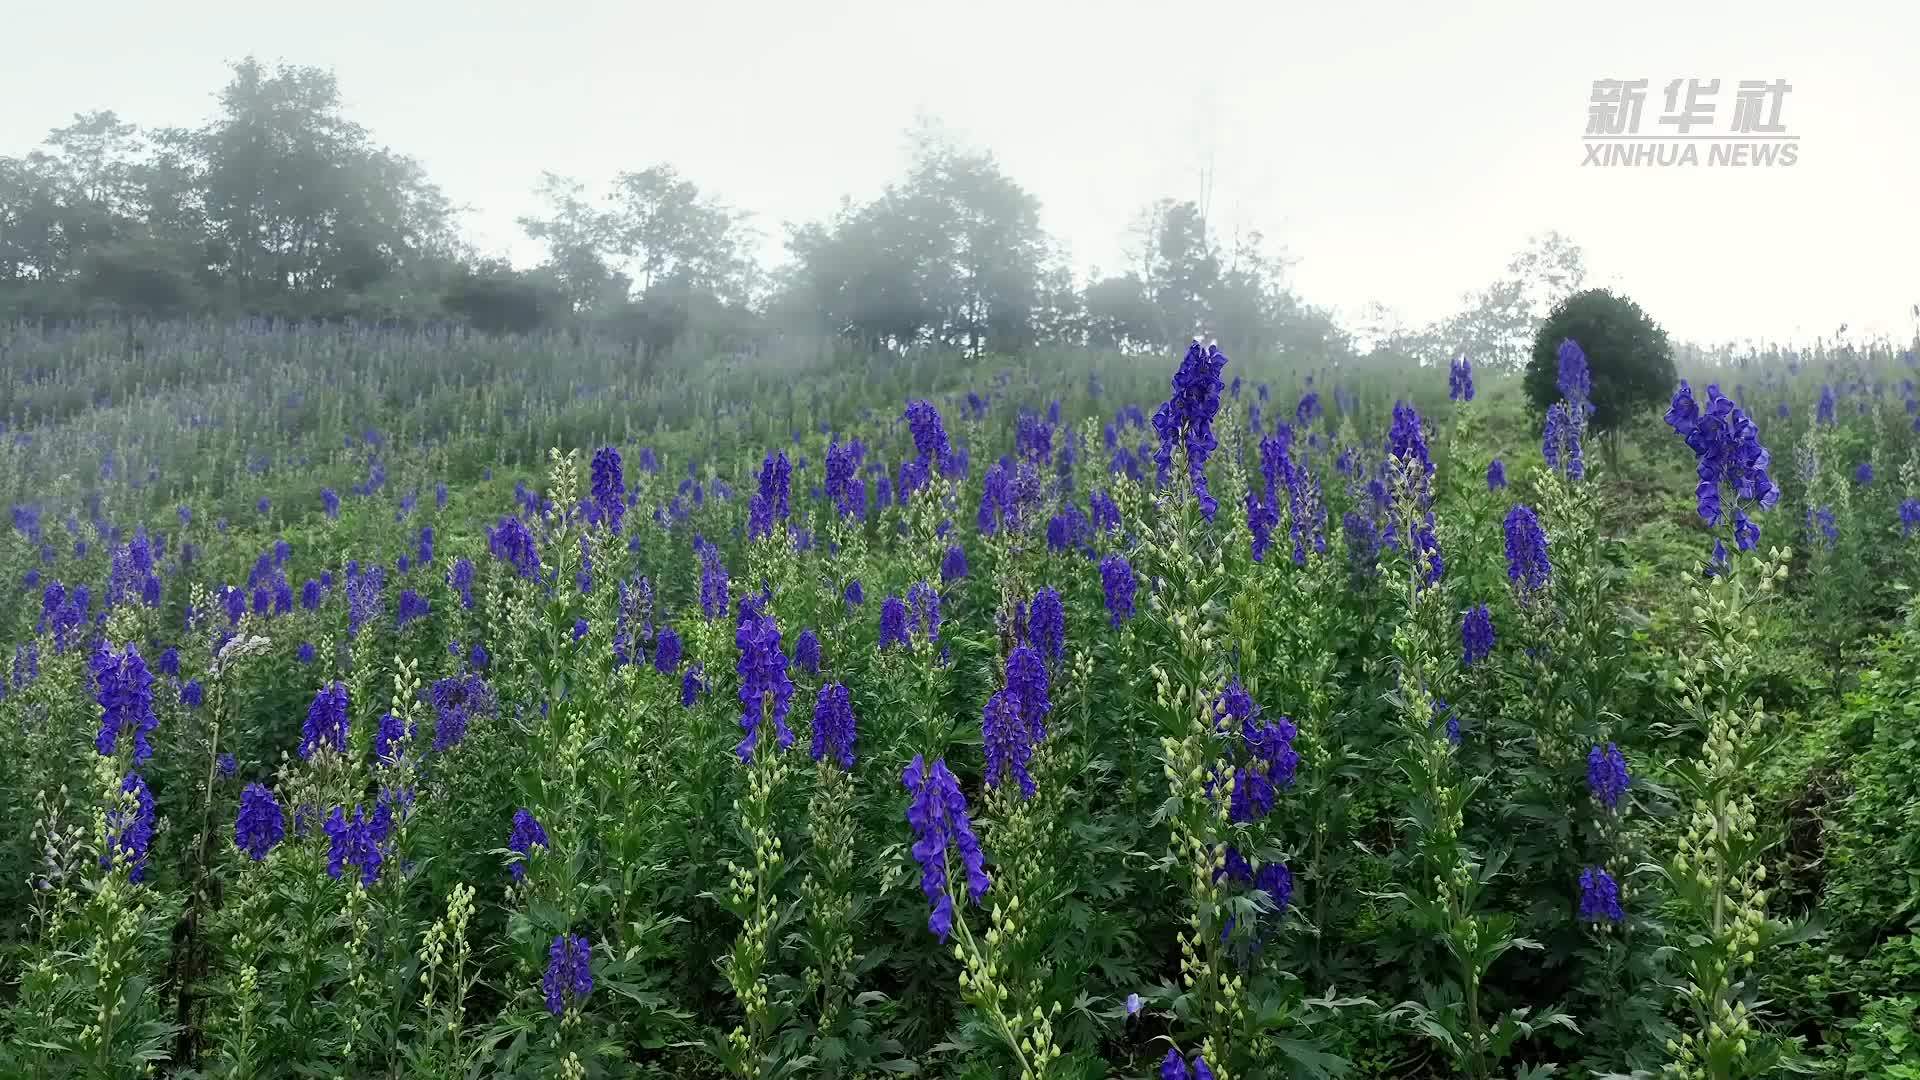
(279, 206)
(1439, 913)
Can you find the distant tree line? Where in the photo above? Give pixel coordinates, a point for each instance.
(282, 207)
(279, 206)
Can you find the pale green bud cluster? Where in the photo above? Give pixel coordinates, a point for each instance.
(445, 947)
(752, 890)
(1714, 868)
(1026, 1029)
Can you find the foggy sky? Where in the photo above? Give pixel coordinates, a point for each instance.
(1400, 152)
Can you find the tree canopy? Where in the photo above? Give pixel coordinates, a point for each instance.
(1627, 354)
(281, 205)
(278, 205)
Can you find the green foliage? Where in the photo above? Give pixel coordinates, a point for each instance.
(1119, 315)
(1871, 846)
(1431, 926)
(281, 206)
(951, 254)
(278, 206)
(1627, 352)
(1884, 1043)
(499, 301)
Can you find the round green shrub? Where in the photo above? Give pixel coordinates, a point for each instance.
(1627, 351)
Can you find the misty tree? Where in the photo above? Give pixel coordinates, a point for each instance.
(1060, 310)
(281, 205)
(837, 283)
(78, 192)
(1190, 284)
(493, 298)
(953, 254)
(652, 260)
(996, 250)
(652, 229)
(1120, 315)
(662, 229)
(1497, 325)
(576, 235)
(89, 218)
(298, 200)
(1248, 303)
(35, 240)
(1180, 264)
(1628, 356)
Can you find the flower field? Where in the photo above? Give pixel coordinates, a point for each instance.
(412, 705)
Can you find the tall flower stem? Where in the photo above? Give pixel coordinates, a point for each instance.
(755, 900)
(1716, 875)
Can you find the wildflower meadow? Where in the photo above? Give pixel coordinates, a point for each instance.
(384, 703)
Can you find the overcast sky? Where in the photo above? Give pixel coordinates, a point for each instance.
(1400, 152)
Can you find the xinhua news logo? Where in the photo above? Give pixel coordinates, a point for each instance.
(1685, 133)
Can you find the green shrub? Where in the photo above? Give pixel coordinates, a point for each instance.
(1632, 363)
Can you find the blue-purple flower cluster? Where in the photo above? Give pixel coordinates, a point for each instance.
(1009, 497)
(1174, 1068)
(806, 651)
(666, 651)
(930, 443)
(1306, 509)
(1187, 416)
(124, 689)
(1033, 439)
(845, 489)
(833, 725)
(1460, 379)
(525, 835)
(413, 607)
(62, 612)
(1599, 897)
(1575, 379)
(766, 692)
(609, 503)
(770, 502)
(953, 565)
(1272, 761)
(260, 824)
(512, 542)
(326, 721)
(1527, 564)
(1407, 444)
(1116, 580)
(1726, 447)
(456, 701)
(937, 812)
(358, 840)
(1274, 879)
(133, 573)
(1014, 720)
(918, 616)
(1607, 776)
(1047, 624)
(130, 830)
(389, 739)
(1263, 508)
(713, 579)
(1560, 442)
(569, 976)
(1476, 635)
(632, 621)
